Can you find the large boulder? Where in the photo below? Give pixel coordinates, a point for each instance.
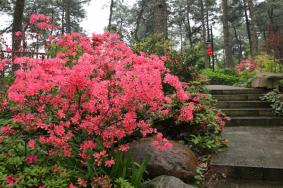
(266, 80)
(179, 161)
(167, 182)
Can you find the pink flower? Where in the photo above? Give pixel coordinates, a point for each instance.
(18, 34)
(195, 99)
(8, 49)
(31, 144)
(59, 130)
(109, 163)
(82, 182)
(71, 186)
(7, 130)
(11, 180)
(186, 113)
(162, 143)
(31, 159)
(124, 147)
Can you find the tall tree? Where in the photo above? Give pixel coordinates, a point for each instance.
(67, 8)
(110, 15)
(227, 46)
(17, 26)
(248, 26)
(139, 18)
(160, 18)
(253, 32)
(188, 23)
(202, 12)
(17, 23)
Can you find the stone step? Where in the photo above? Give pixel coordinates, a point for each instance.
(255, 121)
(254, 153)
(237, 91)
(242, 104)
(239, 97)
(236, 112)
(239, 183)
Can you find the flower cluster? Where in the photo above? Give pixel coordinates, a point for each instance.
(41, 21)
(246, 65)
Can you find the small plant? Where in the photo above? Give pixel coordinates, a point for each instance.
(276, 101)
(206, 142)
(123, 183)
(126, 170)
(202, 169)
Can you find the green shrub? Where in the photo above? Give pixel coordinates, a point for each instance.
(246, 78)
(221, 76)
(183, 64)
(266, 63)
(155, 44)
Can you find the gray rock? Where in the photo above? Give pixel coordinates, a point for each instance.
(167, 182)
(179, 161)
(266, 80)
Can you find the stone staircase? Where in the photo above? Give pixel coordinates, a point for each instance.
(244, 106)
(255, 135)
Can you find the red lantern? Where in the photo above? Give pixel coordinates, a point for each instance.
(209, 52)
(209, 49)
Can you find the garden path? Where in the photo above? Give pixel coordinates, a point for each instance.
(254, 156)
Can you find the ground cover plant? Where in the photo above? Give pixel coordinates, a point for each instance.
(275, 99)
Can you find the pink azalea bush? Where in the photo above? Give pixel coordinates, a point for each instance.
(246, 65)
(90, 98)
(76, 112)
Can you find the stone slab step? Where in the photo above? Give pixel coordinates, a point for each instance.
(242, 104)
(255, 121)
(239, 97)
(236, 112)
(237, 91)
(253, 153)
(239, 183)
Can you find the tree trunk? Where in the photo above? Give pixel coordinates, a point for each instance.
(62, 20)
(181, 36)
(252, 27)
(17, 26)
(238, 39)
(188, 26)
(68, 17)
(248, 28)
(227, 46)
(110, 15)
(160, 18)
(201, 4)
(139, 20)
